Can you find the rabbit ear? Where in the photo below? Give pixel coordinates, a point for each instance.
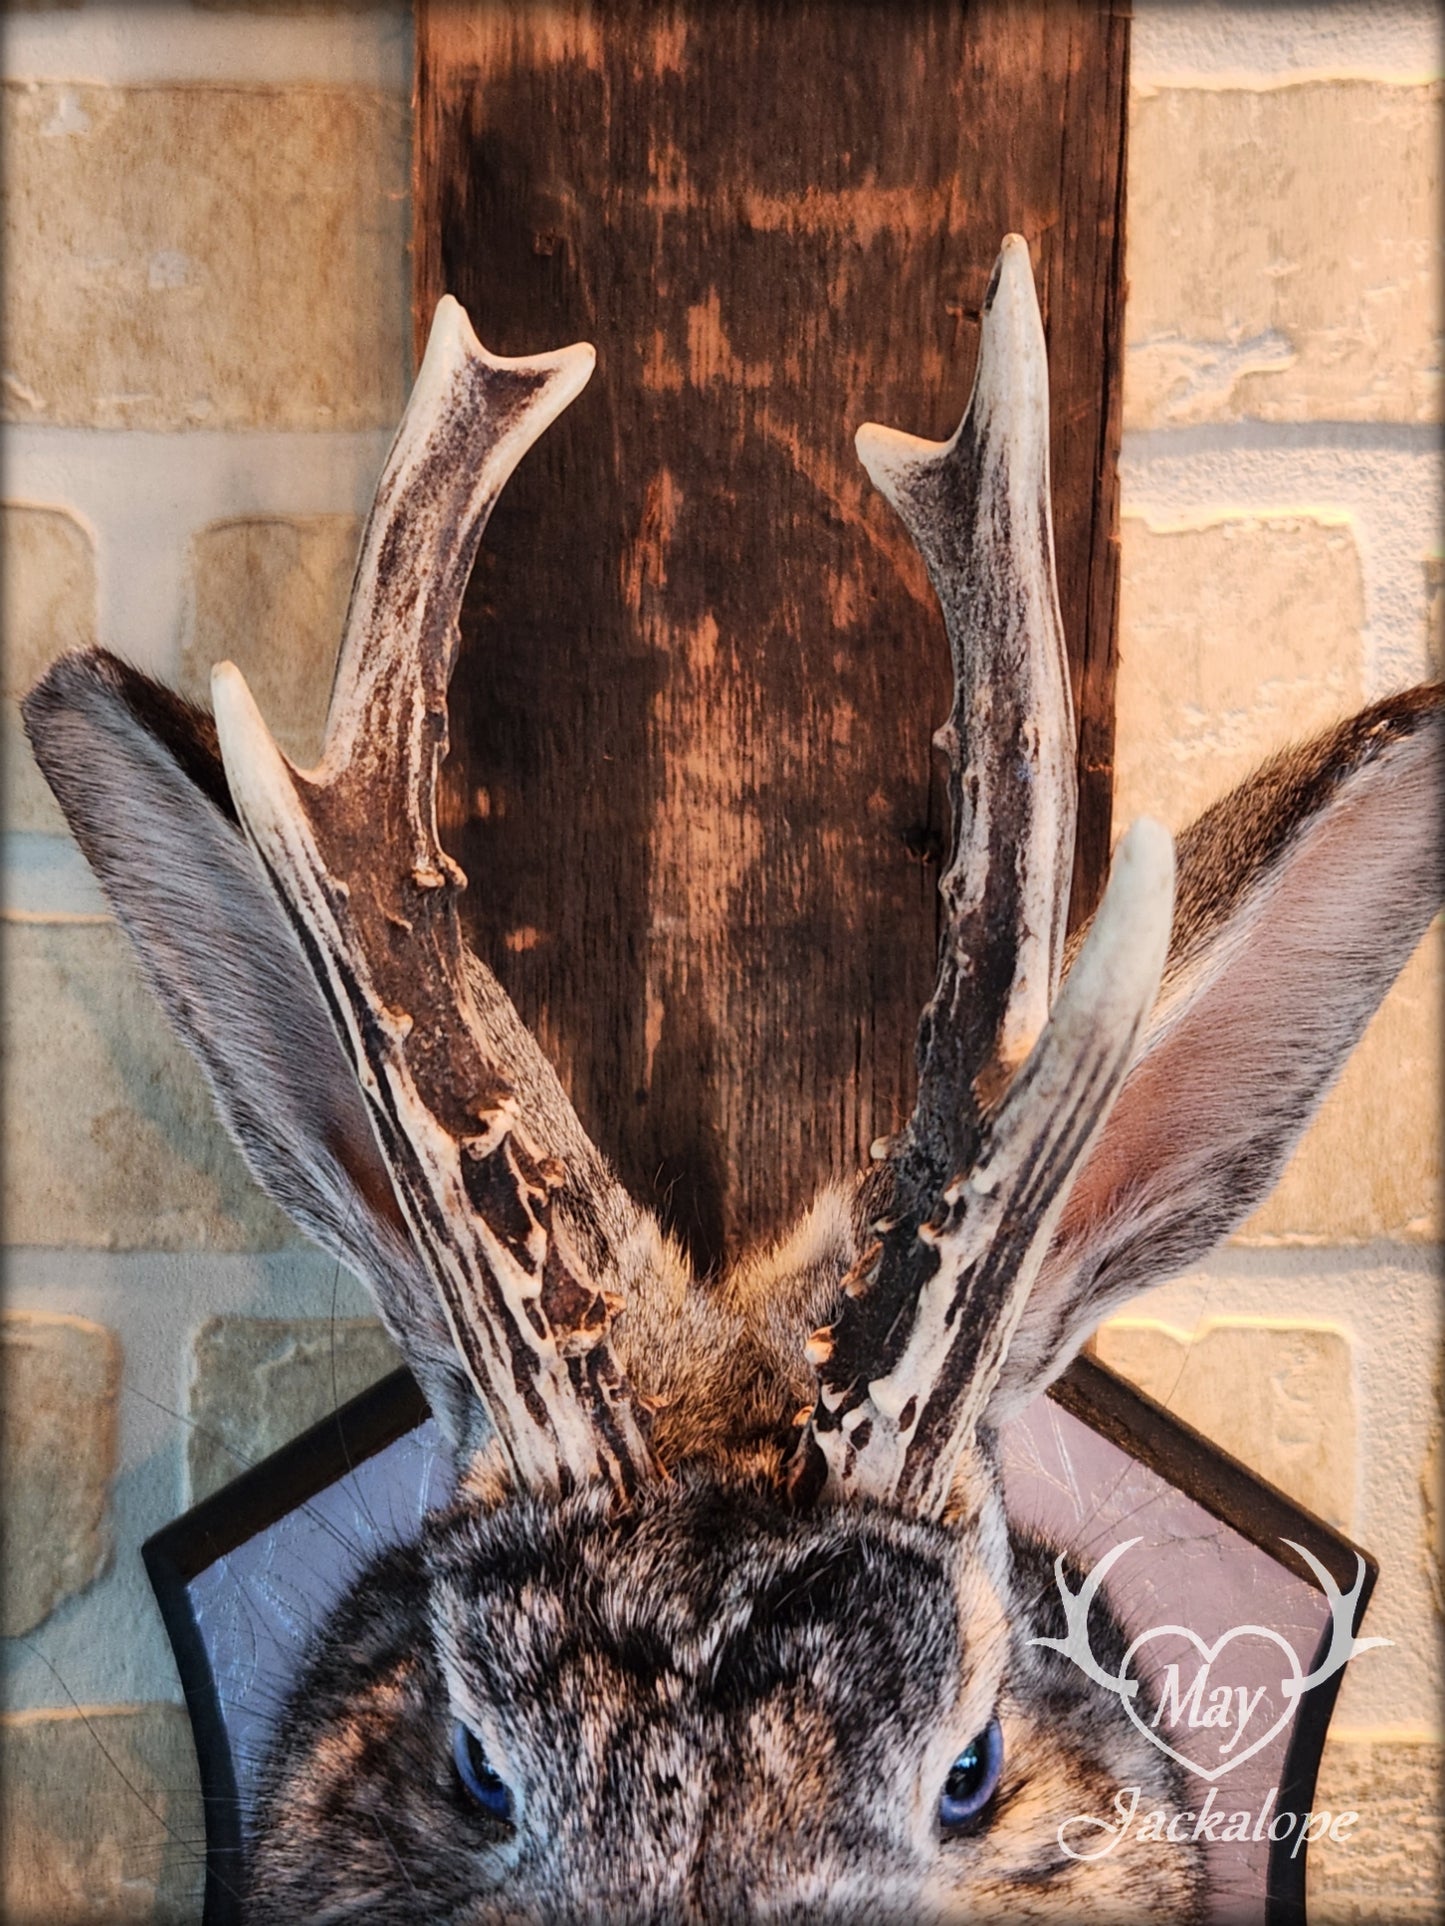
(1300, 898)
(139, 777)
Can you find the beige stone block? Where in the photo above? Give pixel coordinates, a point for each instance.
(111, 1139)
(258, 1382)
(47, 605)
(1370, 1164)
(1278, 1396)
(1284, 254)
(269, 593)
(1236, 638)
(1388, 1867)
(59, 1379)
(100, 1817)
(205, 256)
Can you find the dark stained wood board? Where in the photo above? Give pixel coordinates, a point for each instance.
(691, 778)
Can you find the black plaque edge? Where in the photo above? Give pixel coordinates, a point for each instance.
(177, 1554)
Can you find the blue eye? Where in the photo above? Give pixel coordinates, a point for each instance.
(483, 1787)
(973, 1779)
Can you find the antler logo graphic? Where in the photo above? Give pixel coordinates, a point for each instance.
(1200, 1702)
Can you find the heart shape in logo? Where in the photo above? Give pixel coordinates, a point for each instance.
(1207, 1655)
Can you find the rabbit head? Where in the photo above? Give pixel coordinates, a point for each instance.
(695, 1705)
(726, 1621)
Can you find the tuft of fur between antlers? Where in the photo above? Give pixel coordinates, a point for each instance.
(1088, 1120)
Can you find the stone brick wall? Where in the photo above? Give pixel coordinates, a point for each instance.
(205, 328)
(1281, 543)
(206, 317)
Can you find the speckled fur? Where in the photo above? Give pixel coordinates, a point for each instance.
(708, 1709)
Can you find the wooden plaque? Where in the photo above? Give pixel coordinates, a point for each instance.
(691, 779)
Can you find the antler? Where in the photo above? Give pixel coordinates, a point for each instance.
(352, 850)
(977, 508)
(1012, 1085)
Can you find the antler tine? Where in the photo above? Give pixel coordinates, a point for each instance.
(352, 850)
(930, 1312)
(441, 481)
(973, 1186)
(977, 507)
(995, 1225)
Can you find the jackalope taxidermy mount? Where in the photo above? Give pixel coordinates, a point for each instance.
(726, 1620)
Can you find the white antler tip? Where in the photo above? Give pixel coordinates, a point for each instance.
(1127, 945)
(453, 342)
(233, 704)
(1118, 968)
(1013, 274)
(1011, 369)
(1012, 360)
(257, 774)
(891, 457)
(450, 322)
(1144, 858)
(570, 369)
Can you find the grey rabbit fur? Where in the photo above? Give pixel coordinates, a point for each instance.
(725, 1621)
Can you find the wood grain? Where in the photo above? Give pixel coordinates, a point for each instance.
(691, 779)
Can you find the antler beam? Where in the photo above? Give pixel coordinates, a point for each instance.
(353, 852)
(1012, 1086)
